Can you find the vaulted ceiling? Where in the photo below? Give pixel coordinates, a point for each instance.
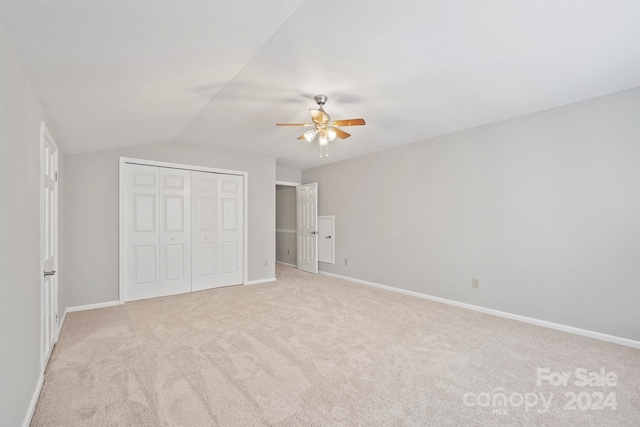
(121, 73)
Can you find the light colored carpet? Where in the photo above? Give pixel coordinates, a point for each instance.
(316, 351)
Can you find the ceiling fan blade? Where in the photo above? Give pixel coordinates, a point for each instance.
(293, 124)
(301, 136)
(349, 122)
(341, 134)
(319, 116)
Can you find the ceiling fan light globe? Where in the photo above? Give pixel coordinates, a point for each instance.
(331, 134)
(323, 138)
(310, 134)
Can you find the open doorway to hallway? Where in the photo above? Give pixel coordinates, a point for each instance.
(286, 224)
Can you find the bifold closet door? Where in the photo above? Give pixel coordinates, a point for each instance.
(230, 228)
(175, 231)
(183, 231)
(141, 210)
(217, 229)
(204, 224)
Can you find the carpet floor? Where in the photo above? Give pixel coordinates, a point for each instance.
(311, 350)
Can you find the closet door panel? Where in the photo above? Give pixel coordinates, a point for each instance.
(175, 231)
(141, 247)
(204, 222)
(229, 257)
(230, 210)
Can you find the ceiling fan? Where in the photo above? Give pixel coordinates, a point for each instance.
(326, 129)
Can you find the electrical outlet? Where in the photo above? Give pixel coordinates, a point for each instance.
(346, 261)
(266, 263)
(475, 283)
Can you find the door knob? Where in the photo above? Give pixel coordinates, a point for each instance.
(314, 232)
(49, 273)
(327, 237)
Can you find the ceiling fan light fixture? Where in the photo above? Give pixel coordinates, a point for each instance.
(326, 130)
(323, 140)
(331, 134)
(310, 134)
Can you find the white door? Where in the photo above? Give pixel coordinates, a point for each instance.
(142, 254)
(230, 229)
(204, 230)
(49, 243)
(175, 231)
(307, 223)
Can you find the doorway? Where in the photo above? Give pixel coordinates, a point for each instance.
(286, 224)
(297, 225)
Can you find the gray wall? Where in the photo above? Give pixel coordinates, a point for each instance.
(62, 273)
(287, 174)
(20, 272)
(543, 209)
(92, 197)
(285, 220)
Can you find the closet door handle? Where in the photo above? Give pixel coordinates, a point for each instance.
(49, 273)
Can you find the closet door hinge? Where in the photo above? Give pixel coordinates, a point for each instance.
(56, 177)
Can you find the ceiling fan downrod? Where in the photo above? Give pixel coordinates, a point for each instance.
(320, 100)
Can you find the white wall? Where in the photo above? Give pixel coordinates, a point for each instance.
(543, 209)
(287, 174)
(20, 272)
(285, 220)
(92, 196)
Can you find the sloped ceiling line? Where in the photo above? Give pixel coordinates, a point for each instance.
(222, 72)
(226, 83)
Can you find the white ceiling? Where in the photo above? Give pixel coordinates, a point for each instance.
(121, 73)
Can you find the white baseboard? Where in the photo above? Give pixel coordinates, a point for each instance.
(255, 282)
(34, 401)
(286, 263)
(560, 327)
(61, 323)
(92, 306)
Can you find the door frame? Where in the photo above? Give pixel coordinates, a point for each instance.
(121, 228)
(46, 135)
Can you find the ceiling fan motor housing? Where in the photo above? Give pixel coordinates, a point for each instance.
(320, 99)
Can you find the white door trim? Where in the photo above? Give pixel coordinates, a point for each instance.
(145, 162)
(287, 183)
(45, 135)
